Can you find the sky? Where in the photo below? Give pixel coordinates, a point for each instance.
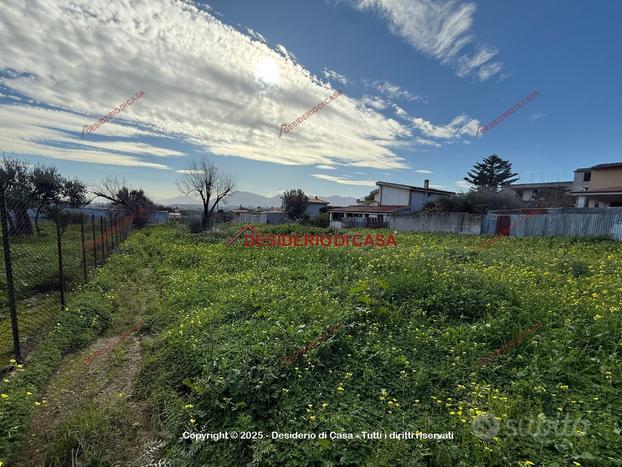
(418, 79)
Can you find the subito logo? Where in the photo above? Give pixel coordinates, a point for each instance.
(485, 426)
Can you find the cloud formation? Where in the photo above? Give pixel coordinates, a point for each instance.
(393, 91)
(333, 75)
(441, 29)
(461, 126)
(206, 83)
(344, 181)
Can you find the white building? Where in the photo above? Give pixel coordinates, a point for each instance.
(389, 198)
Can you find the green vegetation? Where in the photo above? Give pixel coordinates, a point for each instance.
(35, 272)
(89, 312)
(416, 321)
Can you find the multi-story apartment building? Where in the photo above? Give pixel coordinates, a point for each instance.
(599, 186)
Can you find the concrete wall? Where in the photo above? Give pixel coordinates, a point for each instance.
(246, 218)
(450, 222)
(419, 198)
(313, 210)
(391, 196)
(606, 178)
(261, 218)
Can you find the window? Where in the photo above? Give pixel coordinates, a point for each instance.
(587, 176)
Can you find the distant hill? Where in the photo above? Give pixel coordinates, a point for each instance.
(251, 200)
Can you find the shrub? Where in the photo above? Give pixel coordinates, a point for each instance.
(194, 225)
(477, 202)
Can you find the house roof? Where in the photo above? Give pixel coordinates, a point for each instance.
(538, 185)
(609, 165)
(317, 200)
(256, 211)
(595, 191)
(415, 188)
(369, 209)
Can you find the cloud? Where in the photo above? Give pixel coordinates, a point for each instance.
(426, 142)
(422, 171)
(438, 28)
(188, 171)
(207, 84)
(536, 116)
(325, 167)
(46, 132)
(374, 102)
(460, 126)
(344, 181)
(464, 184)
(333, 75)
(393, 91)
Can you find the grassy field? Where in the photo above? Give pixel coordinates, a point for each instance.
(511, 345)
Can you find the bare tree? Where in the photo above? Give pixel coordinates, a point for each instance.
(130, 200)
(203, 178)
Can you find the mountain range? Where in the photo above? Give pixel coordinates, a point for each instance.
(252, 200)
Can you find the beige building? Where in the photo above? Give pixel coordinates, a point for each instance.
(599, 186)
(530, 193)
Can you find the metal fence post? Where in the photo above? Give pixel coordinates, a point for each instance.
(101, 222)
(61, 277)
(94, 244)
(116, 227)
(8, 268)
(110, 236)
(110, 244)
(86, 277)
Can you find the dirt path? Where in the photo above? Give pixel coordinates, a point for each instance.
(90, 416)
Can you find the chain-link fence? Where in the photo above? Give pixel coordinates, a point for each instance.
(47, 252)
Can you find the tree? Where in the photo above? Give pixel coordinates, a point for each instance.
(47, 187)
(554, 197)
(203, 178)
(295, 204)
(53, 191)
(16, 184)
(476, 202)
(491, 174)
(132, 201)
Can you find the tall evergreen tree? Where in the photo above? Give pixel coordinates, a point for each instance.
(295, 204)
(491, 174)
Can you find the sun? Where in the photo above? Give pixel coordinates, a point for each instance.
(267, 71)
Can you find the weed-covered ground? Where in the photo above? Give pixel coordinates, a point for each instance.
(511, 345)
(416, 321)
